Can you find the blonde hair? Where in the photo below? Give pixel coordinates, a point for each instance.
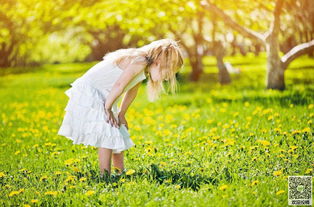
(165, 50)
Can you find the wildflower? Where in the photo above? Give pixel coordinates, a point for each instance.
(13, 193)
(280, 192)
(130, 172)
(70, 178)
(53, 193)
(2, 174)
(264, 142)
(255, 182)
(90, 192)
(277, 173)
(34, 201)
(163, 163)
(308, 171)
(307, 130)
(223, 187)
(43, 178)
(177, 186)
(83, 179)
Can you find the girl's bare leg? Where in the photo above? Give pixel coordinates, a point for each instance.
(104, 156)
(118, 161)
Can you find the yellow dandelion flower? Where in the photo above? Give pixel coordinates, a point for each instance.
(130, 172)
(27, 205)
(2, 174)
(43, 178)
(52, 193)
(277, 173)
(307, 130)
(83, 179)
(13, 193)
(58, 173)
(163, 163)
(223, 187)
(308, 171)
(90, 192)
(280, 192)
(255, 182)
(70, 178)
(263, 142)
(34, 201)
(177, 186)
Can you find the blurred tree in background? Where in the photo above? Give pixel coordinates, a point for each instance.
(58, 31)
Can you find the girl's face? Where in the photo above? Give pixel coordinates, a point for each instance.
(157, 72)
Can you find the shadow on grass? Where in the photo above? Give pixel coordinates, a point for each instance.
(154, 175)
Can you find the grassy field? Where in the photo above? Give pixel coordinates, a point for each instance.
(208, 145)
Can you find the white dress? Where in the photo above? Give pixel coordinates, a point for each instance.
(85, 119)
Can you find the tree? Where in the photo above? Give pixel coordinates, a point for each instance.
(276, 65)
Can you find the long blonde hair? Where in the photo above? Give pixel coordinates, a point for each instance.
(170, 55)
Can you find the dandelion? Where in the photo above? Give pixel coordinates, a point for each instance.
(308, 171)
(130, 172)
(280, 192)
(34, 201)
(43, 178)
(52, 193)
(255, 182)
(58, 173)
(177, 186)
(27, 205)
(223, 187)
(2, 174)
(264, 142)
(70, 178)
(13, 193)
(90, 192)
(306, 130)
(228, 142)
(163, 163)
(277, 173)
(83, 179)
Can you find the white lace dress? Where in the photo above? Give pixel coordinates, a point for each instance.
(85, 119)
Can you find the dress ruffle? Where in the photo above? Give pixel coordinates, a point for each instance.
(85, 119)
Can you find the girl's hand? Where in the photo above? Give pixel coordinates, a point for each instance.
(122, 120)
(111, 118)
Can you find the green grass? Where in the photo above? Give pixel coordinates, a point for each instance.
(207, 145)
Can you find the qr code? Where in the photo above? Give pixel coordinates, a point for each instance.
(299, 190)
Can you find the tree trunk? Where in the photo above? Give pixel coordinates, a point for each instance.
(197, 67)
(223, 74)
(275, 72)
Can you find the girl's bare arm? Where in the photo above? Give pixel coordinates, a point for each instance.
(128, 99)
(118, 88)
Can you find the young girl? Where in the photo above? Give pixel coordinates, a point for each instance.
(92, 116)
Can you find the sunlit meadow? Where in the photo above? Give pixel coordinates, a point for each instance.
(208, 145)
